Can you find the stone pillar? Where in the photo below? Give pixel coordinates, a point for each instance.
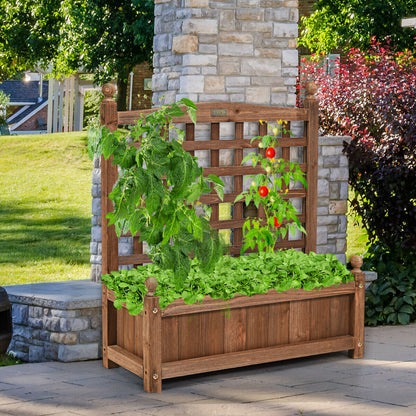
(332, 197)
(95, 245)
(240, 51)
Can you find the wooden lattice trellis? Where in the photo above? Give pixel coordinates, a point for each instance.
(243, 117)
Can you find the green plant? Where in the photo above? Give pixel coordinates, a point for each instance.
(245, 275)
(268, 190)
(352, 23)
(158, 188)
(8, 359)
(92, 105)
(391, 299)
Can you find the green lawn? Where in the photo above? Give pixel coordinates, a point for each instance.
(357, 238)
(45, 207)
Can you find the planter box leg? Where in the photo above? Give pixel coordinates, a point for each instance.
(109, 328)
(358, 309)
(152, 340)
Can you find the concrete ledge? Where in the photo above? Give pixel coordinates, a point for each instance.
(58, 321)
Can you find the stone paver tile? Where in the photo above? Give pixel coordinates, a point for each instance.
(6, 386)
(377, 351)
(117, 405)
(30, 379)
(314, 401)
(388, 392)
(32, 408)
(243, 390)
(210, 408)
(364, 408)
(393, 335)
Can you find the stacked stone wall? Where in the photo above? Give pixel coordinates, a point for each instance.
(231, 51)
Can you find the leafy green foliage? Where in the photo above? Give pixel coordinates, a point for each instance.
(391, 299)
(29, 34)
(92, 106)
(245, 275)
(344, 24)
(158, 190)
(106, 38)
(281, 215)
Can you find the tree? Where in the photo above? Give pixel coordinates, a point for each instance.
(29, 33)
(345, 24)
(107, 38)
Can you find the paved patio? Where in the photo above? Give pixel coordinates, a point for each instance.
(383, 383)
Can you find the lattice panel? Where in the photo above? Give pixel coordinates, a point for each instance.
(222, 134)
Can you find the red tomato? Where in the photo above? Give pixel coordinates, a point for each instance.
(263, 191)
(276, 223)
(270, 152)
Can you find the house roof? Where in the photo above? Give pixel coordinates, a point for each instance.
(25, 113)
(24, 93)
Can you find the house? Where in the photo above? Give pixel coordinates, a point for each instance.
(28, 106)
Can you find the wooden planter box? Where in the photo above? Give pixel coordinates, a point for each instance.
(215, 335)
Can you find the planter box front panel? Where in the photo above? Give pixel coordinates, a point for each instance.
(234, 328)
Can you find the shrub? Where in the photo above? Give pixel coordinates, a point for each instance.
(372, 97)
(391, 299)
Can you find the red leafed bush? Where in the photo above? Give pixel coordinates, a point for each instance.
(372, 97)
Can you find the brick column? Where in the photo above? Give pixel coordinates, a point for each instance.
(220, 50)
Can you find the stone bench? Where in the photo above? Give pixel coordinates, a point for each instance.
(58, 321)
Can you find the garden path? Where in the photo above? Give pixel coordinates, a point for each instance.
(383, 383)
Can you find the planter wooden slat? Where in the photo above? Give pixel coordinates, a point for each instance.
(319, 309)
(179, 307)
(126, 359)
(256, 356)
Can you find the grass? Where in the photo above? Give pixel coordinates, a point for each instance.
(45, 207)
(357, 239)
(8, 359)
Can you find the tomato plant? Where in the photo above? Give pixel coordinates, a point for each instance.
(269, 190)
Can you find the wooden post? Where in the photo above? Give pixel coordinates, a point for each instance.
(152, 340)
(358, 309)
(109, 237)
(311, 103)
(109, 327)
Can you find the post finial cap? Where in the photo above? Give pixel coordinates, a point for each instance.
(151, 284)
(356, 263)
(108, 90)
(311, 89)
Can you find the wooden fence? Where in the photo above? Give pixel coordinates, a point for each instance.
(213, 115)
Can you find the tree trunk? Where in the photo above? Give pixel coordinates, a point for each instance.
(122, 93)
